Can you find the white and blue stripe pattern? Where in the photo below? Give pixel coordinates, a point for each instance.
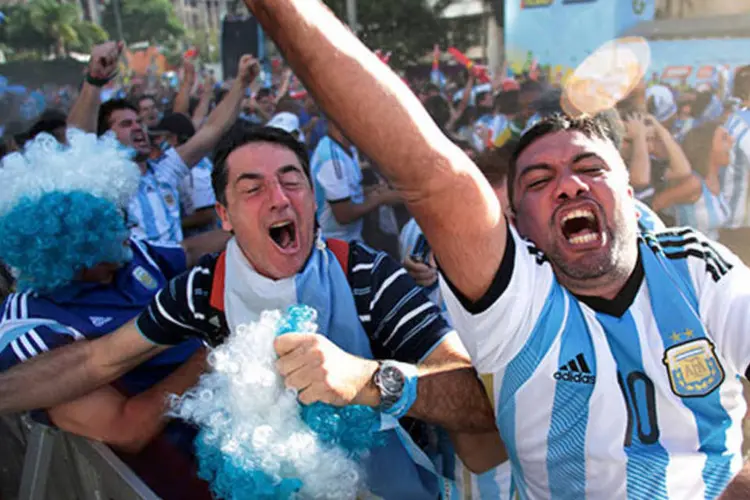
(735, 179)
(707, 214)
(155, 209)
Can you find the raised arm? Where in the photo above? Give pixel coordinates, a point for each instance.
(69, 372)
(221, 118)
(443, 189)
(102, 68)
(182, 101)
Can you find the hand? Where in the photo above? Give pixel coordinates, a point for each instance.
(424, 275)
(384, 195)
(104, 59)
(635, 127)
(188, 71)
(248, 69)
(321, 371)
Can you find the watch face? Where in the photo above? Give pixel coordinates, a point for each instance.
(392, 380)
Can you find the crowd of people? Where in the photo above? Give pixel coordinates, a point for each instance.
(503, 278)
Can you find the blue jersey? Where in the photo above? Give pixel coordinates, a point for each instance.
(637, 397)
(32, 323)
(736, 177)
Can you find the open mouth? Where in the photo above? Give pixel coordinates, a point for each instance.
(284, 234)
(581, 227)
(139, 139)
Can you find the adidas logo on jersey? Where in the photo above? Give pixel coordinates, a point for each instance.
(98, 321)
(576, 370)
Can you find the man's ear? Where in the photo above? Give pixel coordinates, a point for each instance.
(226, 223)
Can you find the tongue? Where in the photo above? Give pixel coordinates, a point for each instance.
(285, 237)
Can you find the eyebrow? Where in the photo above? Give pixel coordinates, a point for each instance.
(289, 168)
(248, 176)
(547, 167)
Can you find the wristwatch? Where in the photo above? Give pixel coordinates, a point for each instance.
(390, 380)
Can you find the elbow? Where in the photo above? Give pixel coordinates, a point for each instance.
(130, 441)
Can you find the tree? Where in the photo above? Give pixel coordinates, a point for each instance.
(152, 21)
(408, 29)
(48, 27)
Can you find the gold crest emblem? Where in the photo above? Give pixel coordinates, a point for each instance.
(693, 368)
(169, 199)
(145, 278)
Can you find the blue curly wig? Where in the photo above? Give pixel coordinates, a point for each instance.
(62, 208)
(49, 240)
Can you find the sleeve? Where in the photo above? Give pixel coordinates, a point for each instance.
(494, 328)
(332, 177)
(202, 191)
(721, 280)
(171, 168)
(170, 258)
(404, 324)
(172, 316)
(22, 340)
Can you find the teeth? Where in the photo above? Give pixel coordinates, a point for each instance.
(280, 224)
(585, 238)
(581, 213)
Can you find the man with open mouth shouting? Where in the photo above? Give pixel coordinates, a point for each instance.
(614, 356)
(382, 343)
(155, 210)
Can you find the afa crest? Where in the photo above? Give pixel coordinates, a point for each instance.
(693, 368)
(145, 278)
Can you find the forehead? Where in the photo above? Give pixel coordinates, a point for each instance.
(561, 148)
(123, 114)
(263, 158)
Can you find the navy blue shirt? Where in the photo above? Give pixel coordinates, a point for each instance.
(32, 323)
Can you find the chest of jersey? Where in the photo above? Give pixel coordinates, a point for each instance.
(616, 407)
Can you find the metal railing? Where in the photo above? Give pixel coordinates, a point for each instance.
(58, 465)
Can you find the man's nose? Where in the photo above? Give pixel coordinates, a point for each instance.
(571, 186)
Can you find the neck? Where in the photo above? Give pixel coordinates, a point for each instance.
(143, 165)
(607, 286)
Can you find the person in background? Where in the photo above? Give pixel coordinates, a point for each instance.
(342, 201)
(155, 211)
(197, 198)
(708, 148)
(52, 122)
(735, 179)
(148, 111)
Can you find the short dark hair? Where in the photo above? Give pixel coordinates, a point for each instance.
(439, 110)
(698, 145)
(495, 163)
(106, 110)
(597, 126)
(243, 133)
(50, 121)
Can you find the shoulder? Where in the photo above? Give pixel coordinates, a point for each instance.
(686, 244)
(169, 258)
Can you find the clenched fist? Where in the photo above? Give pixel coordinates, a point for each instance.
(248, 69)
(321, 371)
(104, 58)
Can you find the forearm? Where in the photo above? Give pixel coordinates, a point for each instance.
(640, 164)
(202, 217)
(347, 212)
(67, 373)
(84, 113)
(686, 190)
(739, 487)
(479, 452)
(197, 246)
(226, 113)
(679, 166)
(201, 111)
(182, 100)
(144, 416)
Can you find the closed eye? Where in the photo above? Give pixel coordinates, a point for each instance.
(537, 183)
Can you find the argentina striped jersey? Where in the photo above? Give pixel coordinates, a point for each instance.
(707, 214)
(735, 179)
(638, 397)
